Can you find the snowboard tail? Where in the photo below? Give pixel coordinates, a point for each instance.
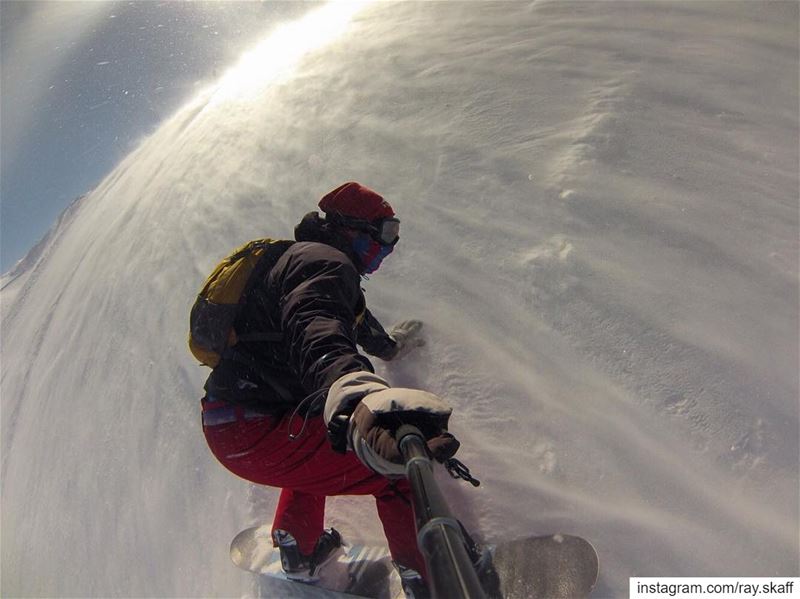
(543, 567)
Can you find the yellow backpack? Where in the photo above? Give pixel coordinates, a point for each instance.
(220, 300)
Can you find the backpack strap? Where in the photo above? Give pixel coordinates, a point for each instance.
(273, 253)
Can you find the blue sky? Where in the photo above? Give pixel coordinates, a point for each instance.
(82, 82)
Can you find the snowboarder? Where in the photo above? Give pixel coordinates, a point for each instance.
(302, 409)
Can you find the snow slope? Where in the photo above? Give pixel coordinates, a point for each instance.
(600, 229)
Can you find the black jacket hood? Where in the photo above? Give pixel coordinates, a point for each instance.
(314, 228)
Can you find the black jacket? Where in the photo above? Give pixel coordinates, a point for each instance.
(313, 298)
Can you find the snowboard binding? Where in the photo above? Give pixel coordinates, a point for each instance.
(298, 566)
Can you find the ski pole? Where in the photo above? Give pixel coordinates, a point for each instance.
(439, 534)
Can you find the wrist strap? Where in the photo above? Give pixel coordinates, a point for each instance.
(337, 432)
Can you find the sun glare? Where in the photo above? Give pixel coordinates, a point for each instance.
(278, 54)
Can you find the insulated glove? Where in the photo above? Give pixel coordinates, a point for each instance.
(406, 335)
(377, 411)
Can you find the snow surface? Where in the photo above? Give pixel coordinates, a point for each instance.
(600, 229)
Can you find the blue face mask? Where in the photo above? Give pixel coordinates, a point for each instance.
(370, 252)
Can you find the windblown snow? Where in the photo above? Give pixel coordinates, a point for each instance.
(600, 230)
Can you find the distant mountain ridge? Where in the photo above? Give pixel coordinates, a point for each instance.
(29, 260)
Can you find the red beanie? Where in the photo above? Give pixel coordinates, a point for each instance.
(355, 200)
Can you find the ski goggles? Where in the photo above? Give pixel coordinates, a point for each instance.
(385, 231)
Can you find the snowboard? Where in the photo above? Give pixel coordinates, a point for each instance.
(541, 567)
(544, 567)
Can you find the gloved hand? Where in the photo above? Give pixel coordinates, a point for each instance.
(406, 335)
(378, 411)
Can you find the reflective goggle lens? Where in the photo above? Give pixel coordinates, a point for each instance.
(385, 231)
(389, 231)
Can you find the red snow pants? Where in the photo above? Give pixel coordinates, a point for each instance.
(258, 448)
